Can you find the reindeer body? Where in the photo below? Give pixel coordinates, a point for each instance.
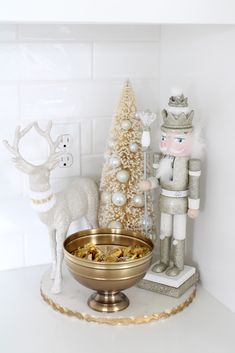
(56, 211)
(79, 199)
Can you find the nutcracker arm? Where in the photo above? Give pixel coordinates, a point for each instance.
(157, 156)
(194, 184)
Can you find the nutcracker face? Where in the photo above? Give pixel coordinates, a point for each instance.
(177, 144)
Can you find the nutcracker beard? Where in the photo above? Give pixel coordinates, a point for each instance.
(165, 170)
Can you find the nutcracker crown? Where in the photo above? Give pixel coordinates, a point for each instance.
(177, 116)
(178, 101)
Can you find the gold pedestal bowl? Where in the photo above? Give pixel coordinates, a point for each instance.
(108, 279)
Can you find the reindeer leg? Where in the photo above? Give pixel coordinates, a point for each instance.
(60, 236)
(52, 237)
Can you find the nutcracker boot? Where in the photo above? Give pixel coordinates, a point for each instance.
(165, 249)
(178, 258)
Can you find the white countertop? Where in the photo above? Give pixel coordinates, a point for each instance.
(29, 325)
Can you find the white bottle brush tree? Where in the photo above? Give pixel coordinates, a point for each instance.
(122, 205)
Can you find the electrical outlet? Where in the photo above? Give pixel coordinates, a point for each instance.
(66, 142)
(66, 160)
(70, 148)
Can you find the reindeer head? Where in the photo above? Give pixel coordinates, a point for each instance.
(39, 175)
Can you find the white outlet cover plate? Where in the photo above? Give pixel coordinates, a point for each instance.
(73, 129)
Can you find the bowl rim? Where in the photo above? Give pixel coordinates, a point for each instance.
(111, 231)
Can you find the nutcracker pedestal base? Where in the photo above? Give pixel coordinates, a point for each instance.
(171, 286)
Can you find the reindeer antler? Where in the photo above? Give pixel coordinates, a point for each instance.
(18, 160)
(53, 155)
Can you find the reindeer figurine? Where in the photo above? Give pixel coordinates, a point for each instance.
(58, 210)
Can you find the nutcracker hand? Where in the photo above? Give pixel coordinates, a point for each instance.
(193, 213)
(144, 185)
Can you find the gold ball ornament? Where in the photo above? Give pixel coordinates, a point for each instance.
(105, 197)
(123, 176)
(115, 224)
(126, 125)
(138, 200)
(114, 162)
(118, 198)
(133, 147)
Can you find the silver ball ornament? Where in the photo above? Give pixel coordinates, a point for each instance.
(115, 224)
(149, 223)
(118, 198)
(138, 200)
(114, 162)
(126, 125)
(133, 147)
(123, 176)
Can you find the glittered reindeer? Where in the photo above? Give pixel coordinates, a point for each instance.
(55, 210)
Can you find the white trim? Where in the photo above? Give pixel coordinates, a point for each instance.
(194, 204)
(44, 207)
(194, 173)
(172, 193)
(40, 195)
(145, 139)
(175, 282)
(179, 230)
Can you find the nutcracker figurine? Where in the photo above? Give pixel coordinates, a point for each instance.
(177, 174)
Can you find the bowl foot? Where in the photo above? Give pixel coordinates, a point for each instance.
(108, 301)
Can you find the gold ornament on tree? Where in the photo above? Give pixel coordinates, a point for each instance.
(122, 205)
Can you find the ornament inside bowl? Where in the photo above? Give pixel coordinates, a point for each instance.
(108, 279)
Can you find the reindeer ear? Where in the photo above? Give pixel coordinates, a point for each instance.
(22, 165)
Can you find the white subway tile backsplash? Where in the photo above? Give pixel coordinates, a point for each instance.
(10, 62)
(68, 99)
(101, 129)
(86, 136)
(10, 180)
(127, 60)
(97, 98)
(37, 247)
(54, 61)
(92, 166)
(11, 250)
(50, 32)
(16, 215)
(9, 101)
(8, 33)
(59, 61)
(45, 101)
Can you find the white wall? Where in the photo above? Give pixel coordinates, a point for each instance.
(72, 75)
(202, 60)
